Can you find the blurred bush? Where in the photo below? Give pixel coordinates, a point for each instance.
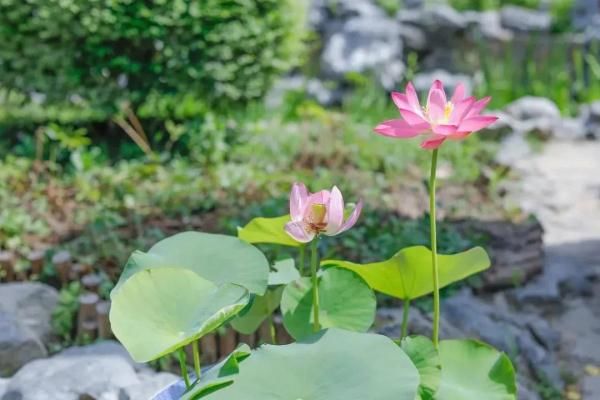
(62, 59)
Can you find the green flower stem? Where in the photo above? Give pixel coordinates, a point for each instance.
(301, 265)
(183, 366)
(314, 264)
(405, 312)
(434, 259)
(196, 350)
(272, 330)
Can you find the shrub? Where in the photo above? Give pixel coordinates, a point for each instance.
(97, 53)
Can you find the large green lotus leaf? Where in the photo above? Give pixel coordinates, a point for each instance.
(427, 360)
(331, 365)
(345, 301)
(220, 259)
(408, 274)
(219, 375)
(283, 272)
(159, 310)
(262, 306)
(472, 370)
(268, 230)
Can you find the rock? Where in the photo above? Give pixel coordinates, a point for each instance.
(323, 12)
(102, 349)
(526, 390)
(503, 126)
(25, 315)
(542, 362)
(475, 319)
(503, 330)
(150, 384)
(102, 371)
(569, 129)
(412, 4)
(577, 285)
(389, 323)
(365, 44)
(591, 116)
(525, 20)
(413, 37)
(18, 345)
(591, 387)
(31, 303)
(529, 107)
(441, 19)
(423, 81)
(489, 25)
(512, 148)
(325, 94)
(585, 12)
(534, 114)
(580, 329)
(446, 18)
(543, 332)
(68, 377)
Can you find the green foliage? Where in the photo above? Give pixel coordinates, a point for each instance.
(345, 301)
(75, 52)
(427, 360)
(172, 307)
(490, 373)
(63, 316)
(391, 7)
(331, 365)
(407, 275)
(218, 258)
(250, 319)
(283, 272)
(185, 287)
(220, 375)
(267, 230)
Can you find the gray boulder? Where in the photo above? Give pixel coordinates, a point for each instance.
(149, 385)
(531, 107)
(489, 24)
(25, 330)
(569, 129)
(18, 345)
(413, 37)
(534, 114)
(512, 149)
(522, 19)
(365, 44)
(325, 93)
(591, 387)
(440, 19)
(590, 114)
(102, 371)
(323, 12)
(585, 13)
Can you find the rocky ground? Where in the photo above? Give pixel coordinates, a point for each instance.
(551, 325)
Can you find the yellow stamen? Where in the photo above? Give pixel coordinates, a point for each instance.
(448, 110)
(317, 213)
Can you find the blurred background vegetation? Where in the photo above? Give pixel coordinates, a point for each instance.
(115, 113)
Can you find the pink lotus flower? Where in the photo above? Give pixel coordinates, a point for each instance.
(318, 213)
(440, 119)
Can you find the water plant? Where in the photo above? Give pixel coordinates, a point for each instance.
(190, 284)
